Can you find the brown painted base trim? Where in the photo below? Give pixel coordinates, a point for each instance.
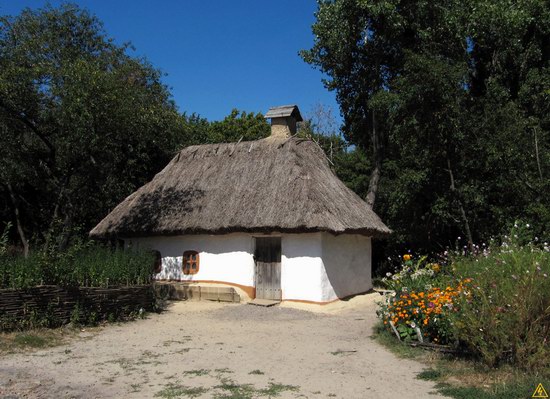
(310, 302)
(346, 298)
(250, 291)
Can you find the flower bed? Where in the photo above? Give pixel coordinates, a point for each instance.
(495, 305)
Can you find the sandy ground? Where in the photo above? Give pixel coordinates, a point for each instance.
(213, 350)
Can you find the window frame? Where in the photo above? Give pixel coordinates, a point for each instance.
(187, 262)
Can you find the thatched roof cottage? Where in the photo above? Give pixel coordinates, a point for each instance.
(266, 216)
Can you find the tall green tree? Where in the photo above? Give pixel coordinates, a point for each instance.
(450, 99)
(82, 121)
(238, 125)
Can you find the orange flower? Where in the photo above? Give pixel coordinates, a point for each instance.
(407, 257)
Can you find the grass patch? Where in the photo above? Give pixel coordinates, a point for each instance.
(124, 363)
(31, 340)
(466, 379)
(275, 389)
(387, 339)
(518, 389)
(175, 342)
(135, 388)
(197, 372)
(225, 370)
(257, 372)
(340, 352)
(232, 390)
(178, 391)
(429, 375)
(37, 339)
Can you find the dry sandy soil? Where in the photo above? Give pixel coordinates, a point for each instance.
(213, 350)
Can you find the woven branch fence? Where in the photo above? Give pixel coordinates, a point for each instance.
(52, 306)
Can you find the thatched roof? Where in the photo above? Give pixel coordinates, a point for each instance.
(282, 185)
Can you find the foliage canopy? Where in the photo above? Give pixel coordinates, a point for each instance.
(451, 100)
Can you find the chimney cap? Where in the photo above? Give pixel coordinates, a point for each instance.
(284, 111)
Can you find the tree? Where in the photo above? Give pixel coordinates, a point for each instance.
(83, 123)
(238, 125)
(348, 162)
(450, 99)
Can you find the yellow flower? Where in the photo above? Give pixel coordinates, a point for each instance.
(407, 257)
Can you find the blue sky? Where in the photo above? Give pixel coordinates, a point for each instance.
(218, 55)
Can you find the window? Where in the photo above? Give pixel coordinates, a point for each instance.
(157, 263)
(190, 263)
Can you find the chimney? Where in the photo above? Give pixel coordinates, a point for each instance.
(283, 120)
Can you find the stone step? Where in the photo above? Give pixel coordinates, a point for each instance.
(264, 302)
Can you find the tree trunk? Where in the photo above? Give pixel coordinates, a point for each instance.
(20, 231)
(461, 207)
(537, 154)
(67, 232)
(378, 154)
(55, 214)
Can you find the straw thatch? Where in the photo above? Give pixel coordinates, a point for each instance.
(269, 185)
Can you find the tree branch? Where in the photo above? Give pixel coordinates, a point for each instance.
(20, 231)
(30, 124)
(461, 207)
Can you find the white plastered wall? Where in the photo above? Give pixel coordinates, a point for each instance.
(316, 267)
(302, 267)
(227, 258)
(347, 265)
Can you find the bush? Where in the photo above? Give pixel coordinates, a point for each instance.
(494, 304)
(418, 306)
(83, 265)
(506, 316)
(413, 276)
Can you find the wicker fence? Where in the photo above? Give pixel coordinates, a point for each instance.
(53, 305)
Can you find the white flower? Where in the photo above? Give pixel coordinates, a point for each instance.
(527, 225)
(388, 274)
(413, 324)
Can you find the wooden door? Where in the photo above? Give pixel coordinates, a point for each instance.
(268, 268)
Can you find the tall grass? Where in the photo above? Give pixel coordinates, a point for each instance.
(86, 265)
(493, 304)
(506, 316)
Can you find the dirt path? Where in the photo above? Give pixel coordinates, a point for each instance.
(211, 350)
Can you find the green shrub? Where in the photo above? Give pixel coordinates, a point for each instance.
(506, 316)
(495, 304)
(4, 239)
(82, 265)
(414, 275)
